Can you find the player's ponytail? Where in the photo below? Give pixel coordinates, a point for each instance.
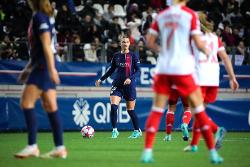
(206, 26)
(41, 5)
(178, 1)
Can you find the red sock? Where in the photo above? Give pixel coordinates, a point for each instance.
(204, 124)
(169, 121)
(186, 117)
(196, 134)
(152, 126)
(213, 125)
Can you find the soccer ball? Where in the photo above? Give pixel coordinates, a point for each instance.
(87, 131)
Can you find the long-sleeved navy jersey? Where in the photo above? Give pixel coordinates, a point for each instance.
(125, 66)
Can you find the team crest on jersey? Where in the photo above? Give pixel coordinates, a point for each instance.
(81, 112)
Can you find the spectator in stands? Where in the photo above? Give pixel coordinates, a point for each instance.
(114, 29)
(55, 11)
(7, 51)
(22, 49)
(108, 16)
(133, 24)
(227, 35)
(146, 24)
(63, 19)
(77, 49)
(88, 9)
(142, 52)
(242, 50)
(90, 53)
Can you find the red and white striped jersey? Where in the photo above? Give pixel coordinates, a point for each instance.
(175, 26)
(207, 68)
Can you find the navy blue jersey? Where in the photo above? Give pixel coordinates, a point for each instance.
(125, 66)
(39, 24)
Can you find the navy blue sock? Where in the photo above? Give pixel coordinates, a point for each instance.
(113, 115)
(31, 123)
(134, 119)
(57, 129)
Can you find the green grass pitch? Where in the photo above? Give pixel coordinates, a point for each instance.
(102, 151)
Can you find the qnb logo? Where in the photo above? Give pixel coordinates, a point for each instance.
(81, 112)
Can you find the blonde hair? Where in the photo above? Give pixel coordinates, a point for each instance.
(179, 1)
(41, 5)
(206, 26)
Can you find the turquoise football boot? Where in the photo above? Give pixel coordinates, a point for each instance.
(184, 129)
(215, 158)
(115, 134)
(219, 136)
(147, 156)
(135, 134)
(167, 138)
(190, 148)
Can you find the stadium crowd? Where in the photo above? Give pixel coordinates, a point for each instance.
(91, 34)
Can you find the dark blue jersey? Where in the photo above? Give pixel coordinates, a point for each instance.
(125, 66)
(39, 24)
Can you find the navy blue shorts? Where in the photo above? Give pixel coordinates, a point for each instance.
(41, 79)
(128, 92)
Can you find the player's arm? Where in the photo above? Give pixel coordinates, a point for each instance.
(136, 68)
(25, 73)
(151, 37)
(110, 71)
(152, 44)
(201, 45)
(45, 38)
(229, 68)
(196, 35)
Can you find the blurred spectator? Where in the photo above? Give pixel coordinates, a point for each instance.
(7, 49)
(133, 25)
(63, 19)
(228, 36)
(114, 29)
(142, 53)
(241, 49)
(108, 16)
(2, 14)
(53, 4)
(88, 9)
(146, 24)
(236, 34)
(112, 47)
(90, 53)
(77, 49)
(86, 29)
(22, 49)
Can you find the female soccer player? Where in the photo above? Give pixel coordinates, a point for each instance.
(41, 77)
(186, 117)
(175, 65)
(208, 70)
(125, 64)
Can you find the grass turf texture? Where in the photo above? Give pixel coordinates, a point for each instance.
(102, 151)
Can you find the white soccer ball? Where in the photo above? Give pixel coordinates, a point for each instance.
(87, 131)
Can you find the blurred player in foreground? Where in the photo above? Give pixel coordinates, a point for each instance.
(125, 64)
(170, 116)
(208, 70)
(41, 77)
(176, 25)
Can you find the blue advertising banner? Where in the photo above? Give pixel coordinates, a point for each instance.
(85, 74)
(77, 112)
